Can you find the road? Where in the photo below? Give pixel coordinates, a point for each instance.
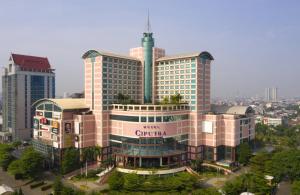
(284, 188)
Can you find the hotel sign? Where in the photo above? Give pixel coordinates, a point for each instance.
(150, 131)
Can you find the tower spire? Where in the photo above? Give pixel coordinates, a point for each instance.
(148, 23)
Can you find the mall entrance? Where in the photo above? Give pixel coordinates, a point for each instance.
(151, 162)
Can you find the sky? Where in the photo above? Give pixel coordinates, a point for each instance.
(255, 43)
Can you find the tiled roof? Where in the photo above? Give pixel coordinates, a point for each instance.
(31, 62)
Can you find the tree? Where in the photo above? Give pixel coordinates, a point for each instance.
(57, 186)
(71, 160)
(15, 168)
(97, 152)
(165, 100)
(5, 159)
(31, 162)
(296, 187)
(196, 164)
(18, 192)
(247, 182)
(244, 153)
(88, 154)
(5, 155)
(29, 165)
(91, 153)
(175, 99)
(259, 162)
(116, 181)
(206, 191)
(285, 164)
(124, 99)
(16, 144)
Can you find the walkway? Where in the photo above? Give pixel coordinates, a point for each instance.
(217, 167)
(156, 172)
(9, 180)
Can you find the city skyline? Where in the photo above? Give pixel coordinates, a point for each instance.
(253, 45)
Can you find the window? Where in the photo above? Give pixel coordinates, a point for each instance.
(48, 107)
(158, 119)
(151, 119)
(143, 119)
(124, 118)
(48, 114)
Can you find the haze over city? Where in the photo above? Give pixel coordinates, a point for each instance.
(255, 43)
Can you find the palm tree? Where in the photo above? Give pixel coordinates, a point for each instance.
(97, 152)
(87, 154)
(165, 100)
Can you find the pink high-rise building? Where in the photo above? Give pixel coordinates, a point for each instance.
(147, 110)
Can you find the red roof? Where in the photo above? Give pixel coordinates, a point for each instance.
(31, 62)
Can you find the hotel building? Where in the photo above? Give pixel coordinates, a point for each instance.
(25, 80)
(140, 128)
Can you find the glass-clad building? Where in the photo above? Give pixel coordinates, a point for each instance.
(25, 80)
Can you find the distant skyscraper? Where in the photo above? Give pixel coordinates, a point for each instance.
(271, 94)
(25, 80)
(274, 94)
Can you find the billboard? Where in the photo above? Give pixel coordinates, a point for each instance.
(36, 123)
(56, 115)
(55, 130)
(55, 124)
(68, 128)
(68, 140)
(207, 126)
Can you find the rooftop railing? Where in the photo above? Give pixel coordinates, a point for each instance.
(137, 107)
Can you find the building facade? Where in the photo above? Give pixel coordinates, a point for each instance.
(153, 110)
(25, 80)
(271, 94)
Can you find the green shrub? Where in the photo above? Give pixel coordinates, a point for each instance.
(116, 181)
(46, 187)
(180, 182)
(37, 184)
(29, 182)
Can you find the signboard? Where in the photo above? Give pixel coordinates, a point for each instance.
(146, 130)
(39, 113)
(55, 144)
(44, 121)
(56, 115)
(77, 128)
(44, 127)
(207, 126)
(54, 137)
(55, 124)
(142, 133)
(35, 133)
(68, 141)
(150, 131)
(36, 123)
(55, 130)
(68, 127)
